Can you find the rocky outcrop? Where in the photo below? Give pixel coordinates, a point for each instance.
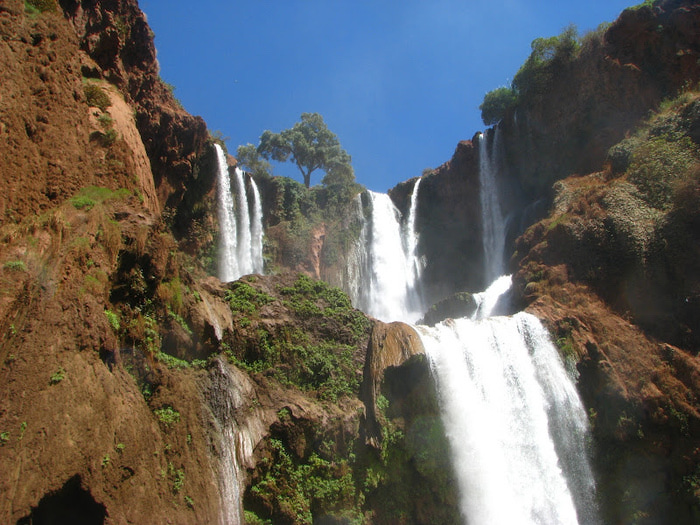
(649, 53)
(448, 222)
(461, 304)
(115, 36)
(390, 345)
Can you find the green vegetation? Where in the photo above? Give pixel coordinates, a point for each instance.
(296, 488)
(15, 266)
(318, 354)
(89, 196)
(95, 96)
(4, 438)
(547, 58)
(310, 145)
(113, 319)
(32, 7)
(57, 376)
(252, 161)
(661, 159)
(105, 461)
(245, 299)
(497, 104)
(167, 415)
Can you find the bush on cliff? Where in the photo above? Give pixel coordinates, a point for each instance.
(547, 57)
(497, 104)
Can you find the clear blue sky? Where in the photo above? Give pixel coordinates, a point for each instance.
(398, 81)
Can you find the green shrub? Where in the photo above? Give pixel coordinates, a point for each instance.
(497, 104)
(57, 376)
(15, 266)
(547, 56)
(105, 120)
(96, 97)
(113, 319)
(245, 299)
(659, 165)
(167, 415)
(90, 195)
(40, 6)
(295, 488)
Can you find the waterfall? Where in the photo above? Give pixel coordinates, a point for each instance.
(228, 235)
(245, 260)
(492, 222)
(256, 230)
(384, 268)
(514, 421)
(240, 235)
(410, 236)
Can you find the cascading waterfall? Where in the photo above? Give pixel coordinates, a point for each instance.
(516, 426)
(240, 224)
(515, 423)
(385, 264)
(228, 234)
(492, 222)
(243, 252)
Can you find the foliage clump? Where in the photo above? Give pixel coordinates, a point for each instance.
(661, 158)
(40, 6)
(302, 489)
(548, 57)
(242, 297)
(96, 97)
(497, 104)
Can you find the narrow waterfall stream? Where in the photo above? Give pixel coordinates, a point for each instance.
(240, 223)
(492, 222)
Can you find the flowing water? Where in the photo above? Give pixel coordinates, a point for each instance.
(516, 426)
(240, 223)
(514, 421)
(385, 278)
(492, 222)
(228, 232)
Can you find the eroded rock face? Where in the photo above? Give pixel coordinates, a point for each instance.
(116, 36)
(390, 345)
(646, 55)
(449, 224)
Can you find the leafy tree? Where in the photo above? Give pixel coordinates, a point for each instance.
(497, 103)
(249, 158)
(309, 144)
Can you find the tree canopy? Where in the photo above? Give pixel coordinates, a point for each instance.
(310, 145)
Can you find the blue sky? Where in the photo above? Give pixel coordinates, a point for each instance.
(398, 81)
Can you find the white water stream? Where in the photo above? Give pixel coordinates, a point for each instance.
(240, 224)
(514, 421)
(385, 282)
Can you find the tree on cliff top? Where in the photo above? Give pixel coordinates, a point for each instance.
(309, 144)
